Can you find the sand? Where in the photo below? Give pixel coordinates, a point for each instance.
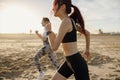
(17, 52)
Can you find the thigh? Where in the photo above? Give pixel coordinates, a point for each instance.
(79, 66)
(41, 52)
(51, 55)
(65, 70)
(48, 49)
(58, 76)
(50, 52)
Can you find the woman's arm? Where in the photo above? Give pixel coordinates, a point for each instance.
(87, 38)
(39, 35)
(55, 40)
(87, 52)
(52, 38)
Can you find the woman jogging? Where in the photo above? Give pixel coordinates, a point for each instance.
(45, 49)
(71, 21)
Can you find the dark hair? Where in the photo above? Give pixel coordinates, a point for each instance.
(46, 19)
(76, 15)
(61, 2)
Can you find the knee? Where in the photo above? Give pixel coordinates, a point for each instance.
(35, 58)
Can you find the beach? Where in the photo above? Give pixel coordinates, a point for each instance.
(17, 52)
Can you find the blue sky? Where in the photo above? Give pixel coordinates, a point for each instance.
(19, 16)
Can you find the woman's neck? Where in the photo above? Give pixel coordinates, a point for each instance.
(63, 17)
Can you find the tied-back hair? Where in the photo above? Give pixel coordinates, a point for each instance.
(76, 15)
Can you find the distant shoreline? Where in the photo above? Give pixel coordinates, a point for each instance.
(34, 34)
(26, 36)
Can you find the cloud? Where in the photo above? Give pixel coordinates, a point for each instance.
(2, 5)
(99, 9)
(97, 13)
(100, 14)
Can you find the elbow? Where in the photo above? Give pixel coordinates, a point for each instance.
(87, 33)
(54, 49)
(55, 46)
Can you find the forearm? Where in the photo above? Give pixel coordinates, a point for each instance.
(39, 35)
(52, 38)
(87, 37)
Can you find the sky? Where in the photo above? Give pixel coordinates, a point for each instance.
(21, 16)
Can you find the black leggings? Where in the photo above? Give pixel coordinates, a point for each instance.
(75, 64)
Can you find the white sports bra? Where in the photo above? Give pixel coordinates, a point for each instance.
(44, 34)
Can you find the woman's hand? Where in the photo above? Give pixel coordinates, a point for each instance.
(48, 27)
(36, 31)
(86, 55)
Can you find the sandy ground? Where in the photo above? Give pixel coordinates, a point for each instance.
(17, 52)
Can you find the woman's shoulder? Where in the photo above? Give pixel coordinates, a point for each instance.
(66, 22)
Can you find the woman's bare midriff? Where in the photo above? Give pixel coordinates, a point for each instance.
(70, 48)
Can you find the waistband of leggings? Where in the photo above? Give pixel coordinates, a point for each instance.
(46, 41)
(73, 55)
(72, 58)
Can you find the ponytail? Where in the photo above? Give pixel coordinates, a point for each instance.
(77, 17)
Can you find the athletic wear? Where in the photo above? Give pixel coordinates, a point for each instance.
(43, 51)
(75, 64)
(70, 36)
(44, 34)
(41, 76)
(46, 49)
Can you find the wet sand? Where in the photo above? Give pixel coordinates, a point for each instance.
(17, 52)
